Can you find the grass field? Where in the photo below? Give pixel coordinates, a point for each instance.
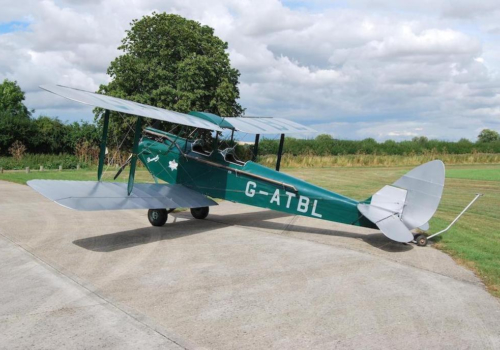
(474, 241)
(373, 160)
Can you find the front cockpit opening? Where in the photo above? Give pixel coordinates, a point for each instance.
(230, 156)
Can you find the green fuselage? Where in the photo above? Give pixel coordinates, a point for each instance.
(172, 159)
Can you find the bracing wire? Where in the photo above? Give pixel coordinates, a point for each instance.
(118, 148)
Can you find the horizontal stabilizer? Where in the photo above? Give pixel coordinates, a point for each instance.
(93, 195)
(394, 228)
(387, 221)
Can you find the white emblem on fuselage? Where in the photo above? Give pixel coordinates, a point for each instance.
(154, 159)
(173, 165)
(302, 202)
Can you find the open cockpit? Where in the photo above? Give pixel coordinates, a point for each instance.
(198, 146)
(230, 156)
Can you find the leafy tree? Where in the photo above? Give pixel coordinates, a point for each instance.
(488, 135)
(51, 135)
(14, 116)
(83, 131)
(11, 99)
(324, 138)
(174, 63)
(420, 139)
(13, 128)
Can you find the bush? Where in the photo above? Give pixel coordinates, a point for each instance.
(323, 145)
(45, 134)
(34, 161)
(17, 150)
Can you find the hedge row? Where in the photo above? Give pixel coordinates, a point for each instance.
(48, 161)
(324, 145)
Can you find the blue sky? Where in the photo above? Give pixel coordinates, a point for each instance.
(386, 69)
(13, 26)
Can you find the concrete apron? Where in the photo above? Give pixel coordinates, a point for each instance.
(243, 278)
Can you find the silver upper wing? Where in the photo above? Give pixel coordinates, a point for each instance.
(263, 125)
(129, 107)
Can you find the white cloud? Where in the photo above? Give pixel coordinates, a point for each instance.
(385, 69)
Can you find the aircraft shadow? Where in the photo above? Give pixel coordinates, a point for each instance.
(126, 239)
(258, 220)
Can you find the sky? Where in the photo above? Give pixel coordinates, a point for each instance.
(383, 69)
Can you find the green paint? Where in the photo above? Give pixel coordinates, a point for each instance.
(213, 118)
(135, 151)
(102, 153)
(251, 183)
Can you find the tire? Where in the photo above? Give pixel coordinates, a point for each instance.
(199, 213)
(421, 240)
(157, 217)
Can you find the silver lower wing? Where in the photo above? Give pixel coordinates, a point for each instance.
(93, 195)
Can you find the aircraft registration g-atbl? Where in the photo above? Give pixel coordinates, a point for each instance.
(193, 173)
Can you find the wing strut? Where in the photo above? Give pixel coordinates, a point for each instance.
(280, 152)
(102, 153)
(135, 151)
(255, 147)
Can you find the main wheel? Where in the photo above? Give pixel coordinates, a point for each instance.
(157, 217)
(421, 240)
(199, 213)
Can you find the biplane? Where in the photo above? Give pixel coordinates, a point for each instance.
(194, 173)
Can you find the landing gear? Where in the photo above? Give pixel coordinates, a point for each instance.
(421, 240)
(199, 213)
(157, 217)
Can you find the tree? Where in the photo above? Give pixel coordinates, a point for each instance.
(420, 139)
(488, 135)
(174, 63)
(324, 138)
(11, 99)
(15, 122)
(82, 131)
(51, 135)
(13, 128)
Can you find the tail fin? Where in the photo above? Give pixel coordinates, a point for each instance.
(408, 203)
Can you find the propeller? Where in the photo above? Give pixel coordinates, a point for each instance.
(124, 165)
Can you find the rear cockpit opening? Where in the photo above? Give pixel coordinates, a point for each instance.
(198, 146)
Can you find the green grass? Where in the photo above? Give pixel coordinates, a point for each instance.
(474, 241)
(485, 173)
(88, 174)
